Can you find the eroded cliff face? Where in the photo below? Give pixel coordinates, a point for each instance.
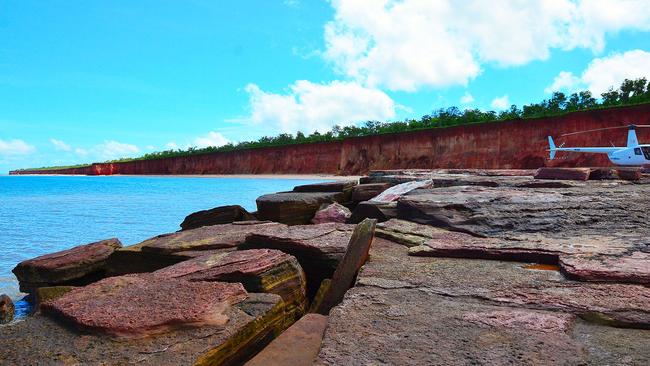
(518, 144)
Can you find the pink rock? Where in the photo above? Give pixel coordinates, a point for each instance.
(144, 304)
(332, 213)
(395, 192)
(523, 319)
(65, 266)
(563, 173)
(633, 268)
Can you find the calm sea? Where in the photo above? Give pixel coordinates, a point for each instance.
(43, 214)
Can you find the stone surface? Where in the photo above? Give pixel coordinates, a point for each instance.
(423, 310)
(6, 309)
(79, 265)
(563, 173)
(258, 270)
(320, 295)
(365, 192)
(297, 346)
(142, 305)
(207, 237)
(631, 267)
(333, 212)
(346, 272)
(318, 248)
(43, 294)
(373, 210)
(396, 192)
(216, 216)
(629, 174)
(337, 186)
(294, 208)
(252, 324)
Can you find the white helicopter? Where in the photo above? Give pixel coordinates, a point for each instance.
(634, 154)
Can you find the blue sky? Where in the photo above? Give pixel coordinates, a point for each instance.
(84, 81)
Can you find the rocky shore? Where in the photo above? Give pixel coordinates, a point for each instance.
(402, 267)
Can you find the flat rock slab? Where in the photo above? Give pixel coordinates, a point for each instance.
(216, 216)
(374, 326)
(297, 346)
(258, 270)
(337, 186)
(318, 248)
(80, 264)
(294, 208)
(206, 237)
(632, 268)
(142, 305)
(364, 192)
(563, 173)
(41, 340)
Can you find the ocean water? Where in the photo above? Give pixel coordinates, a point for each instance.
(44, 214)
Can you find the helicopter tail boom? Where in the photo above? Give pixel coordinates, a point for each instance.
(552, 148)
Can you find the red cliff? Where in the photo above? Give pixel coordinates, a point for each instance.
(517, 144)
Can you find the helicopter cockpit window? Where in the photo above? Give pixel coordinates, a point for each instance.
(646, 152)
(637, 151)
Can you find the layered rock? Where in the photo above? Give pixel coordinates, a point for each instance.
(258, 270)
(563, 173)
(168, 249)
(216, 216)
(333, 212)
(79, 265)
(251, 323)
(365, 192)
(423, 310)
(379, 211)
(294, 208)
(345, 186)
(318, 248)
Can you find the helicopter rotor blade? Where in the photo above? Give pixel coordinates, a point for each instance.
(597, 129)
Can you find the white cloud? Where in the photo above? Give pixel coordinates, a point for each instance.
(467, 98)
(605, 72)
(501, 103)
(171, 145)
(410, 44)
(15, 147)
(60, 145)
(115, 150)
(309, 106)
(80, 151)
(213, 138)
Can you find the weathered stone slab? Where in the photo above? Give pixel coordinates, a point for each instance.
(396, 192)
(507, 283)
(337, 186)
(346, 272)
(142, 305)
(78, 265)
(216, 216)
(373, 210)
(258, 270)
(6, 309)
(43, 294)
(333, 212)
(318, 248)
(563, 173)
(365, 192)
(297, 346)
(252, 324)
(629, 174)
(206, 237)
(629, 268)
(294, 208)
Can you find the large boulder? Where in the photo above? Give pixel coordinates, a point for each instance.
(79, 265)
(294, 208)
(379, 211)
(234, 334)
(7, 309)
(258, 270)
(629, 174)
(142, 305)
(318, 248)
(333, 212)
(337, 186)
(215, 216)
